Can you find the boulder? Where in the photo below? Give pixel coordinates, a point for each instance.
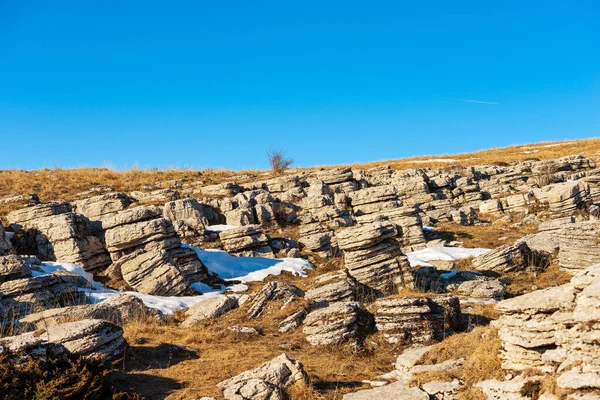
(208, 309)
(338, 323)
(579, 246)
(372, 255)
(93, 339)
(506, 258)
(417, 319)
(98, 208)
(118, 309)
(188, 219)
(19, 297)
(272, 291)
(267, 382)
(247, 241)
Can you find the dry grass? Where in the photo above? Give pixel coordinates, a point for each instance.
(166, 360)
(539, 151)
(64, 184)
(525, 282)
(490, 235)
(480, 350)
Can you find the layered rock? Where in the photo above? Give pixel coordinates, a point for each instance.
(372, 255)
(188, 219)
(272, 291)
(269, 381)
(555, 331)
(98, 208)
(579, 245)
(247, 241)
(506, 258)
(338, 323)
(92, 339)
(417, 319)
(22, 296)
(332, 288)
(52, 232)
(148, 254)
(208, 309)
(118, 309)
(546, 239)
(565, 198)
(23, 215)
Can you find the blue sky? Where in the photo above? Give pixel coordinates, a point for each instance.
(215, 83)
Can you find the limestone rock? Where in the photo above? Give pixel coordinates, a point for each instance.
(506, 258)
(417, 320)
(154, 272)
(93, 339)
(338, 323)
(118, 309)
(248, 241)
(188, 219)
(23, 215)
(579, 247)
(373, 256)
(270, 292)
(210, 308)
(19, 297)
(267, 382)
(394, 391)
(98, 208)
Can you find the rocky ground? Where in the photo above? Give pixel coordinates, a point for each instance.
(468, 281)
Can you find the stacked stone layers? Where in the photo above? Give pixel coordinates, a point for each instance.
(556, 330)
(372, 255)
(417, 320)
(148, 254)
(579, 245)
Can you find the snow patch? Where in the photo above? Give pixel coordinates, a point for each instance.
(243, 269)
(220, 228)
(249, 269)
(435, 160)
(421, 257)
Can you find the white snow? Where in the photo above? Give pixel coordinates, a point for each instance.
(435, 160)
(220, 228)
(421, 257)
(244, 269)
(249, 269)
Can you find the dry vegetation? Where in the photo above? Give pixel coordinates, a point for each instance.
(479, 349)
(184, 363)
(166, 361)
(64, 184)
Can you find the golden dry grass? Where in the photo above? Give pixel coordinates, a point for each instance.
(64, 184)
(182, 363)
(490, 235)
(542, 151)
(479, 348)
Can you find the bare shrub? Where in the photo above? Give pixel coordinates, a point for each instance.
(278, 160)
(545, 175)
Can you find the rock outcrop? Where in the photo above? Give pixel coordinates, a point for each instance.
(247, 241)
(337, 324)
(372, 255)
(417, 319)
(269, 381)
(555, 331)
(92, 339)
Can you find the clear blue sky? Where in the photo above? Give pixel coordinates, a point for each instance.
(215, 83)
